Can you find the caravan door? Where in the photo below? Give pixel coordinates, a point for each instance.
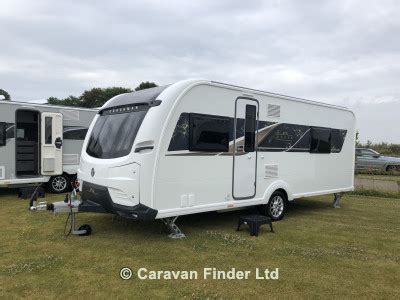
(245, 148)
(51, 143)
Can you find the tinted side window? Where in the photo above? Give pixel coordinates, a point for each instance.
(320, 140)
(10, 130)
(75, 134)
(287, 137)
(3, 134)
(209, 133)
(180, 137)
(337, 140)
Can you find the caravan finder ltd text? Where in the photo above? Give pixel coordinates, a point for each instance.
(206, 274)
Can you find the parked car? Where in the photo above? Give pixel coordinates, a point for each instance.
(368, 159)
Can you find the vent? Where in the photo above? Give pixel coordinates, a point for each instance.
(48, 164)
(70, 115)
(70, 159)
(2, 173)
(274, 110)
(271, 171)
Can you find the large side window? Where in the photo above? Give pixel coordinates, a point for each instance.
(75, 133)
(180, 137)
(320, 140)
(287, 137)
(209, 133)
(10, 130)
(250, 128)
(337, 140)
(3, 134)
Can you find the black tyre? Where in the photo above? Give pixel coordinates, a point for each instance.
(276, 206)
(87, 228)
(59, 184)
(391, 168)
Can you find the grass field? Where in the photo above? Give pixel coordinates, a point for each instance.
(320, 251)
(379, 177)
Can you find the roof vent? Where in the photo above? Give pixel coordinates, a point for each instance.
(274, 110)
(271, 171)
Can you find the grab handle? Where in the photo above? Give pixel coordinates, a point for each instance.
(139, 149)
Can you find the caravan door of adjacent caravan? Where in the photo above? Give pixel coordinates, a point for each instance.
(245, 148)
(51, 143)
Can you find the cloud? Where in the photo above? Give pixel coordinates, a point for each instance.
(341, 52)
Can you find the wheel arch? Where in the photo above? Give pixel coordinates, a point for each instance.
(388, 164)
(278, 185)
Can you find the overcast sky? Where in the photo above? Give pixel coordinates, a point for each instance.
(340, 52)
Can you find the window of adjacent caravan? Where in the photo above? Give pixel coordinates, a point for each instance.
(250, 128)
(3, 134)
(209, 133)
(48, 130)
(320, 140)
(114, 132)
(71, 133)
(10, 130)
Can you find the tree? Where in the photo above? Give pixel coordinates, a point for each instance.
(95, 97)
(358, 144)
(69, 101)
(5, 94)
(145, 85)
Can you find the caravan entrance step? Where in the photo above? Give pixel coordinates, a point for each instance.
(254, 222)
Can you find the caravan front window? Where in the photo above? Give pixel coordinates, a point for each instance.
(114, 132)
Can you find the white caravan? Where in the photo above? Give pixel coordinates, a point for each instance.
(41, 143)
(197, 146)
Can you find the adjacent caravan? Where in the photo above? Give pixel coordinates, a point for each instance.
(41, 143)
(197, 146)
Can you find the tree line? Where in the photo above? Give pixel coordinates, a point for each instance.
(94, 97)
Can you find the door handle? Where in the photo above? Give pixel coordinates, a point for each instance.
(58, 143)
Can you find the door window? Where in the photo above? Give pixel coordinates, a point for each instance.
(250, 128)
(48, 130)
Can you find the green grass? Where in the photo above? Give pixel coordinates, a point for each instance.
(384, 174)
(320, 251)
(379, 177)
(375, 193)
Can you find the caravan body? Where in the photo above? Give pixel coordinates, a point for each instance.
(197, 146)
(39, 143)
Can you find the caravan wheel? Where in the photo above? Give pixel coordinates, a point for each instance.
(276, 207)
(59, 184)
